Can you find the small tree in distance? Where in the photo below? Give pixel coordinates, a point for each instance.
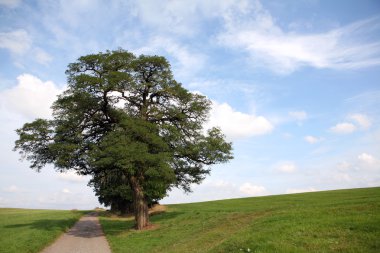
(126, 116)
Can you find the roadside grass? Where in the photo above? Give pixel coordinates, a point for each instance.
(26, 230)
(330, 221)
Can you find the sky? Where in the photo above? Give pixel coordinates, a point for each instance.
(295, 85)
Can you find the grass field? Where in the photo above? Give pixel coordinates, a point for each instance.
(331, 221)
(26, 230)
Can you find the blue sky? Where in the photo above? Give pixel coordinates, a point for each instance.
(295, 86)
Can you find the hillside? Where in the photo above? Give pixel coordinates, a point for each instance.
(330, 221)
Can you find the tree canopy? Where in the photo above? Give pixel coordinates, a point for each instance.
(127, 122)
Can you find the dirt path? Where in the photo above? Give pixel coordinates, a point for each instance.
(86, 236)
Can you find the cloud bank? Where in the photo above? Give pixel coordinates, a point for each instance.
(237, 125)
(30, 97)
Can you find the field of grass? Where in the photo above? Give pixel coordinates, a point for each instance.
(332, 221)
(26, 230)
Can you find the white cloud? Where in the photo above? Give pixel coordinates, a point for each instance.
(311, 139)
(367, 159)
(31, 97)
(286, 167)
(364, 164)
(65, 190)
(343, 128)
(356, 121)
(255, 32)
(298, 115)
(362, 120)
(252, 190)
(71, 176)
(12, 189)
(17, 41)
(300, 190)
(235, 124)
(10, 3)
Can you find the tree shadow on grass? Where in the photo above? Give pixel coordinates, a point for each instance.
(46, 224)
(119, 226)
(83, 228)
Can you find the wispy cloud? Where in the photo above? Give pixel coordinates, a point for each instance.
(13, 189)
(298, 115)
(312, 139)
(20, 44)
(16, 41)
(182, 17)
(41, 56)
(186, 61)
(10, 3)
(253, 190)
(286, 167)
(257, 34)
(361, 120)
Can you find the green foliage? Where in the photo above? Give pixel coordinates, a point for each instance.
(113, 190)
(127, 115)
(135, 148)
(35, 141)
(26, 230)
(331, 221)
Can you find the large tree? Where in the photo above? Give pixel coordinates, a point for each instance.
(127, 115)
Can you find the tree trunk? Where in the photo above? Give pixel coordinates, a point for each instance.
(140, 205)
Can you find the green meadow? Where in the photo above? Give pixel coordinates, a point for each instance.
(26, 230)
(330, 221)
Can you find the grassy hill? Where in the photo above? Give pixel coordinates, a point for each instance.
(330, 221)
(26, 230)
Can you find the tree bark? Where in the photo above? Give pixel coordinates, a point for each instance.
(140, 203)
